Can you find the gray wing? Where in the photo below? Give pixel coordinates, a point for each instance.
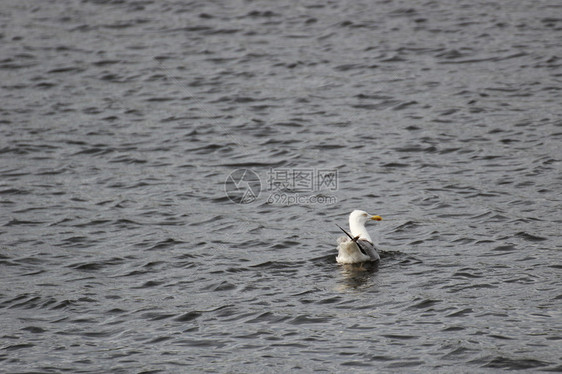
(368, 247)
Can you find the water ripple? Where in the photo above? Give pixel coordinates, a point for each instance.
(120, 122)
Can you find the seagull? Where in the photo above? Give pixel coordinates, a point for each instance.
(357, 246)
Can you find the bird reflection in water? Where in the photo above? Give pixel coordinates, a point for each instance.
(355, 276)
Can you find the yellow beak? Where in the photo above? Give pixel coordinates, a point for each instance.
(376, 218)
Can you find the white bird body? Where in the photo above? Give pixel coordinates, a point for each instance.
(361, 248)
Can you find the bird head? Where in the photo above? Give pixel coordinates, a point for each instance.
(361, 217)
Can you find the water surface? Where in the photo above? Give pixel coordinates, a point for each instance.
(120, 122)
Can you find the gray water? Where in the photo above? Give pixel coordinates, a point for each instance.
(120, 122)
